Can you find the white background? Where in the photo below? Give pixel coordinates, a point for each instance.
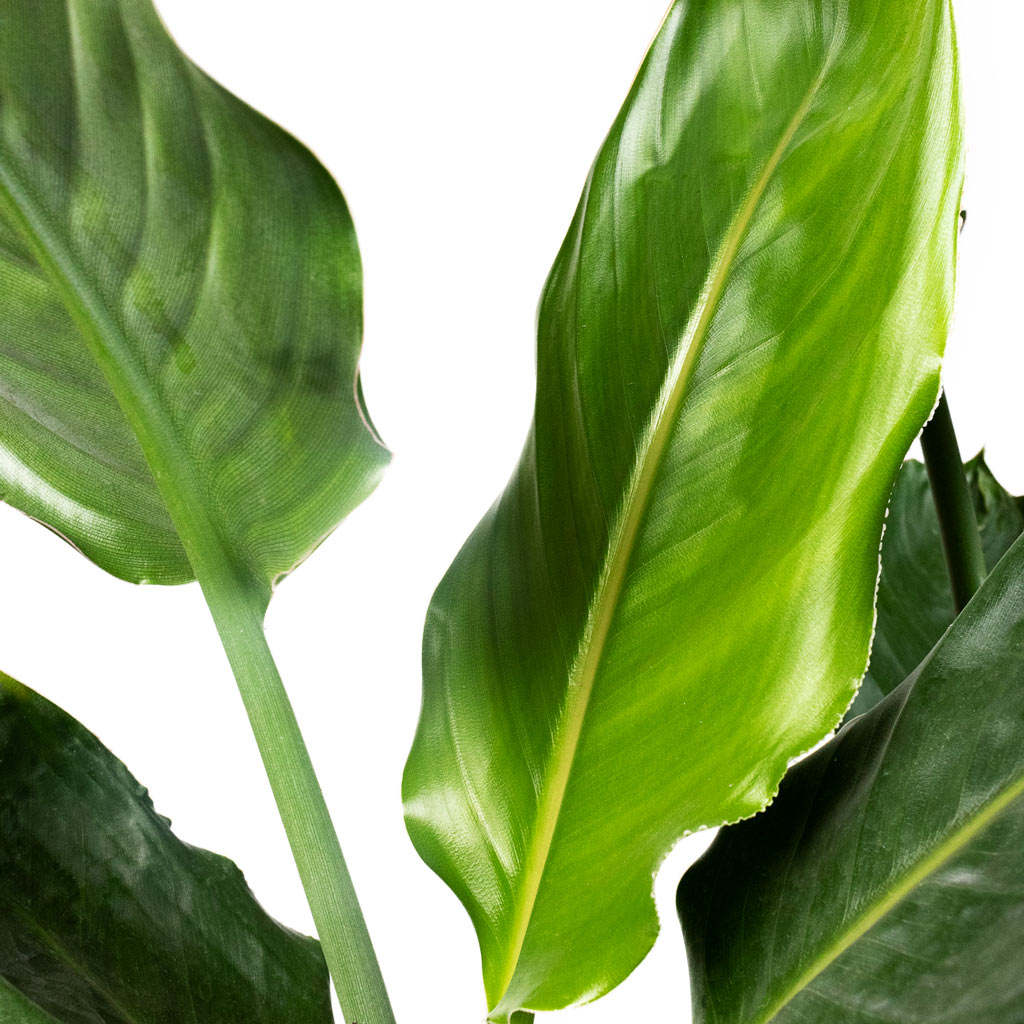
(461, 133)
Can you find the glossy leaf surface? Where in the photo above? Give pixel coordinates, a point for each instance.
(915, 603)
(180, 298)
(673, 596)
(106, 916)
(886, 882)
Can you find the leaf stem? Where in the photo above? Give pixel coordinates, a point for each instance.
(237, 603)
(344, 937)
(958, 524)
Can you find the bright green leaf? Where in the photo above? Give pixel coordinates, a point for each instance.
(106, 916)
(180, 298)
(886, 882)
(915, 602)
(673, 597)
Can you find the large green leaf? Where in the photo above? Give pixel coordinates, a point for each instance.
(915, 602)
(180, 298)
(673, 596)
(106, 917)
(886, 882)
(180, 322)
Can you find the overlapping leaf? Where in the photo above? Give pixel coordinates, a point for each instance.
(106, 916)
(180, 298)
(886, 882)
(915, 603)
(16, 1009)
(673, 596)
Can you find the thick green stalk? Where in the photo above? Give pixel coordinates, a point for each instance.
(958, 524)
(314, 842)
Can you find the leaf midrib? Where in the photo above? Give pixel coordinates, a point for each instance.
(605, 603)
(941, 855)
(174, 475)
(64, 957)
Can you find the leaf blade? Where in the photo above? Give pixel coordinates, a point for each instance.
(107, 915)
(621, 548)
(210, 264)
(889, 881)
(915, 604)
(16, 1009)
(569, 596)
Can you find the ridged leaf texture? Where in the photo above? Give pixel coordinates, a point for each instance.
(180, 306)
(886, 882)
(673, 597)
(105, 916)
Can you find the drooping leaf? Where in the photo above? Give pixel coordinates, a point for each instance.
(673, 596)
(106, 917)
(886, 882)
(180, 299)
(915, 602)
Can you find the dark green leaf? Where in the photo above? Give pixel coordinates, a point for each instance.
(106, 917)
(915, 603)
(886, 882)
(180, 299)
(674, 595)
(16, 1009)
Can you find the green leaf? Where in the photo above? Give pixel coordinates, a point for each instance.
(106, 916)
(886, 882)
(16, 1009)
(915, 603)
(674, 595)
(180, 308)
(180, 322)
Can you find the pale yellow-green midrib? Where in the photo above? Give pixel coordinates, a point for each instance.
(620, 550)
(935, 860)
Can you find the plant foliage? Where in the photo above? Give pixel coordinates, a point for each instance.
(885, 882)
(915, 604)
(180, 300)
(673, 597)
(106, 917)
